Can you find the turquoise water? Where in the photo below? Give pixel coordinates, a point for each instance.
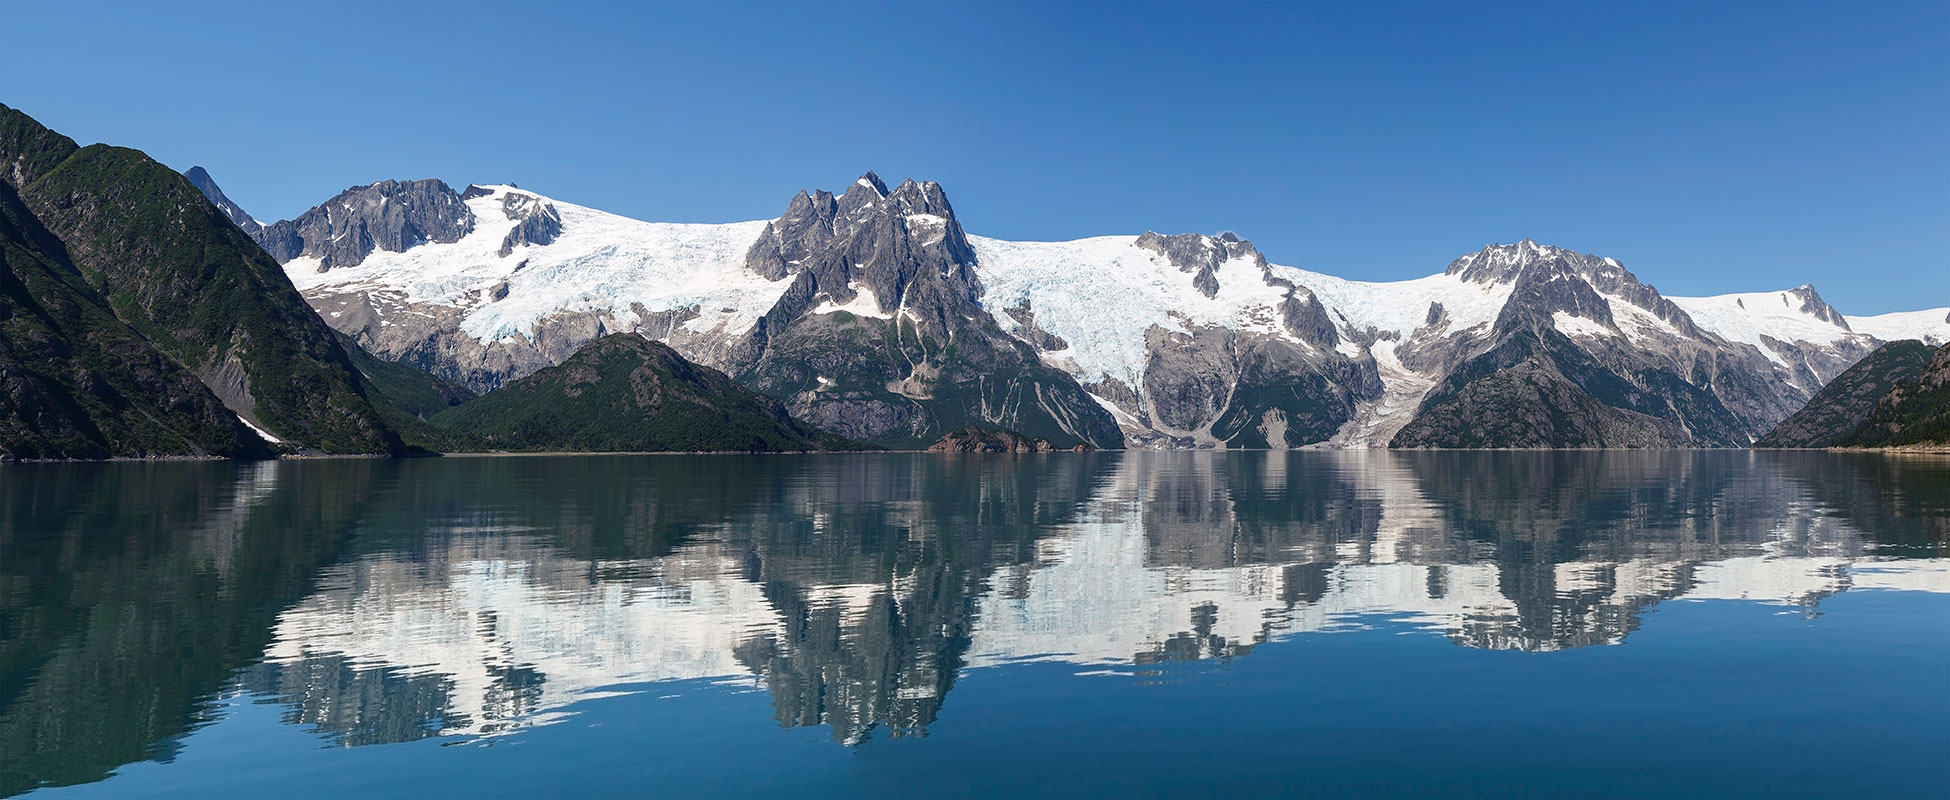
(1116, 624)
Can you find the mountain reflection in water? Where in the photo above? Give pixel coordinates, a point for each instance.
(382, 602)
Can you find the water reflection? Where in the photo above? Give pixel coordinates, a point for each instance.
(384, 602)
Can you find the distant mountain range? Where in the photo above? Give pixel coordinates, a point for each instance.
(138, 319)
(146, 314)
(872, 314)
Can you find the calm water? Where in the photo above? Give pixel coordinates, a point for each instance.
(1709, 623)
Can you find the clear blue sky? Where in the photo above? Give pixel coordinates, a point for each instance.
(1711, 148)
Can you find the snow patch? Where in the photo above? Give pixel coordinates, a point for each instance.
(262, 433)
(864, 304)
(1579, 326)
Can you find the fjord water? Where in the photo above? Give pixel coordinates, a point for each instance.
(1245, 623)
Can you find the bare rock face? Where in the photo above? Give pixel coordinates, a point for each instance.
(389, 215)
(923, 356)
(1027, 329)
(1199, 255)
(537, 221)
(200, 178)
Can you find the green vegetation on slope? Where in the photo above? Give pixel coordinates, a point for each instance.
(1914, 412)
(626, 393)
(413, 390)
(193, 286)
(75, 382)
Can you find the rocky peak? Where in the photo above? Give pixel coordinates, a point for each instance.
(873, 182)
(1550, 285)
(1814, 306)
(1498, 263)
(1200, 255)
(862, 195)
(1543, 275)
(389, 215)
(200, 178)
(537, 221)
(903, 245)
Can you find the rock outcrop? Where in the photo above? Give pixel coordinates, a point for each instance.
(389, 215)
(982, 440)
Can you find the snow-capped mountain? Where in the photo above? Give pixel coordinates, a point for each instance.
(873, 314)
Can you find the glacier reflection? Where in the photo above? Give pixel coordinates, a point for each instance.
(854, 591)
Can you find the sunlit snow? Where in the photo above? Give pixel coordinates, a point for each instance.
(600, 263)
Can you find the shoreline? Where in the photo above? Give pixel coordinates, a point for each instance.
(1907, 450)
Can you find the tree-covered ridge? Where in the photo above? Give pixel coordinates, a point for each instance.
(145, 245)
(1914, 412)
(625, 393)
(75, 381)
(1841, 406)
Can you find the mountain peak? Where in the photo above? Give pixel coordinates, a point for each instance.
(871, 181)
(387, 215)
(1814, 306)
(1497, 263)
(200, 178)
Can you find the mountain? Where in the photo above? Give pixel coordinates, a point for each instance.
(75, 381)
(1840, 407)
(625, 393)
(406, 388)
(163, 282)
(859, 311)
(1915, 411)
(200, 178)
(880, 334)
(874, 315)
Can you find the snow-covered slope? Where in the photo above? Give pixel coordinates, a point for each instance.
(599, 263)
(1101, 295)
(1789, 316)
(1754, 317)
(1186, 340)
(1932, 326)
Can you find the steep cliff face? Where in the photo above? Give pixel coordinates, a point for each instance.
(174, 269)
(882, 336)
(1841, 406)
(389, 215)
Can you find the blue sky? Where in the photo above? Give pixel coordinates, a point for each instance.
(1712, 148)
